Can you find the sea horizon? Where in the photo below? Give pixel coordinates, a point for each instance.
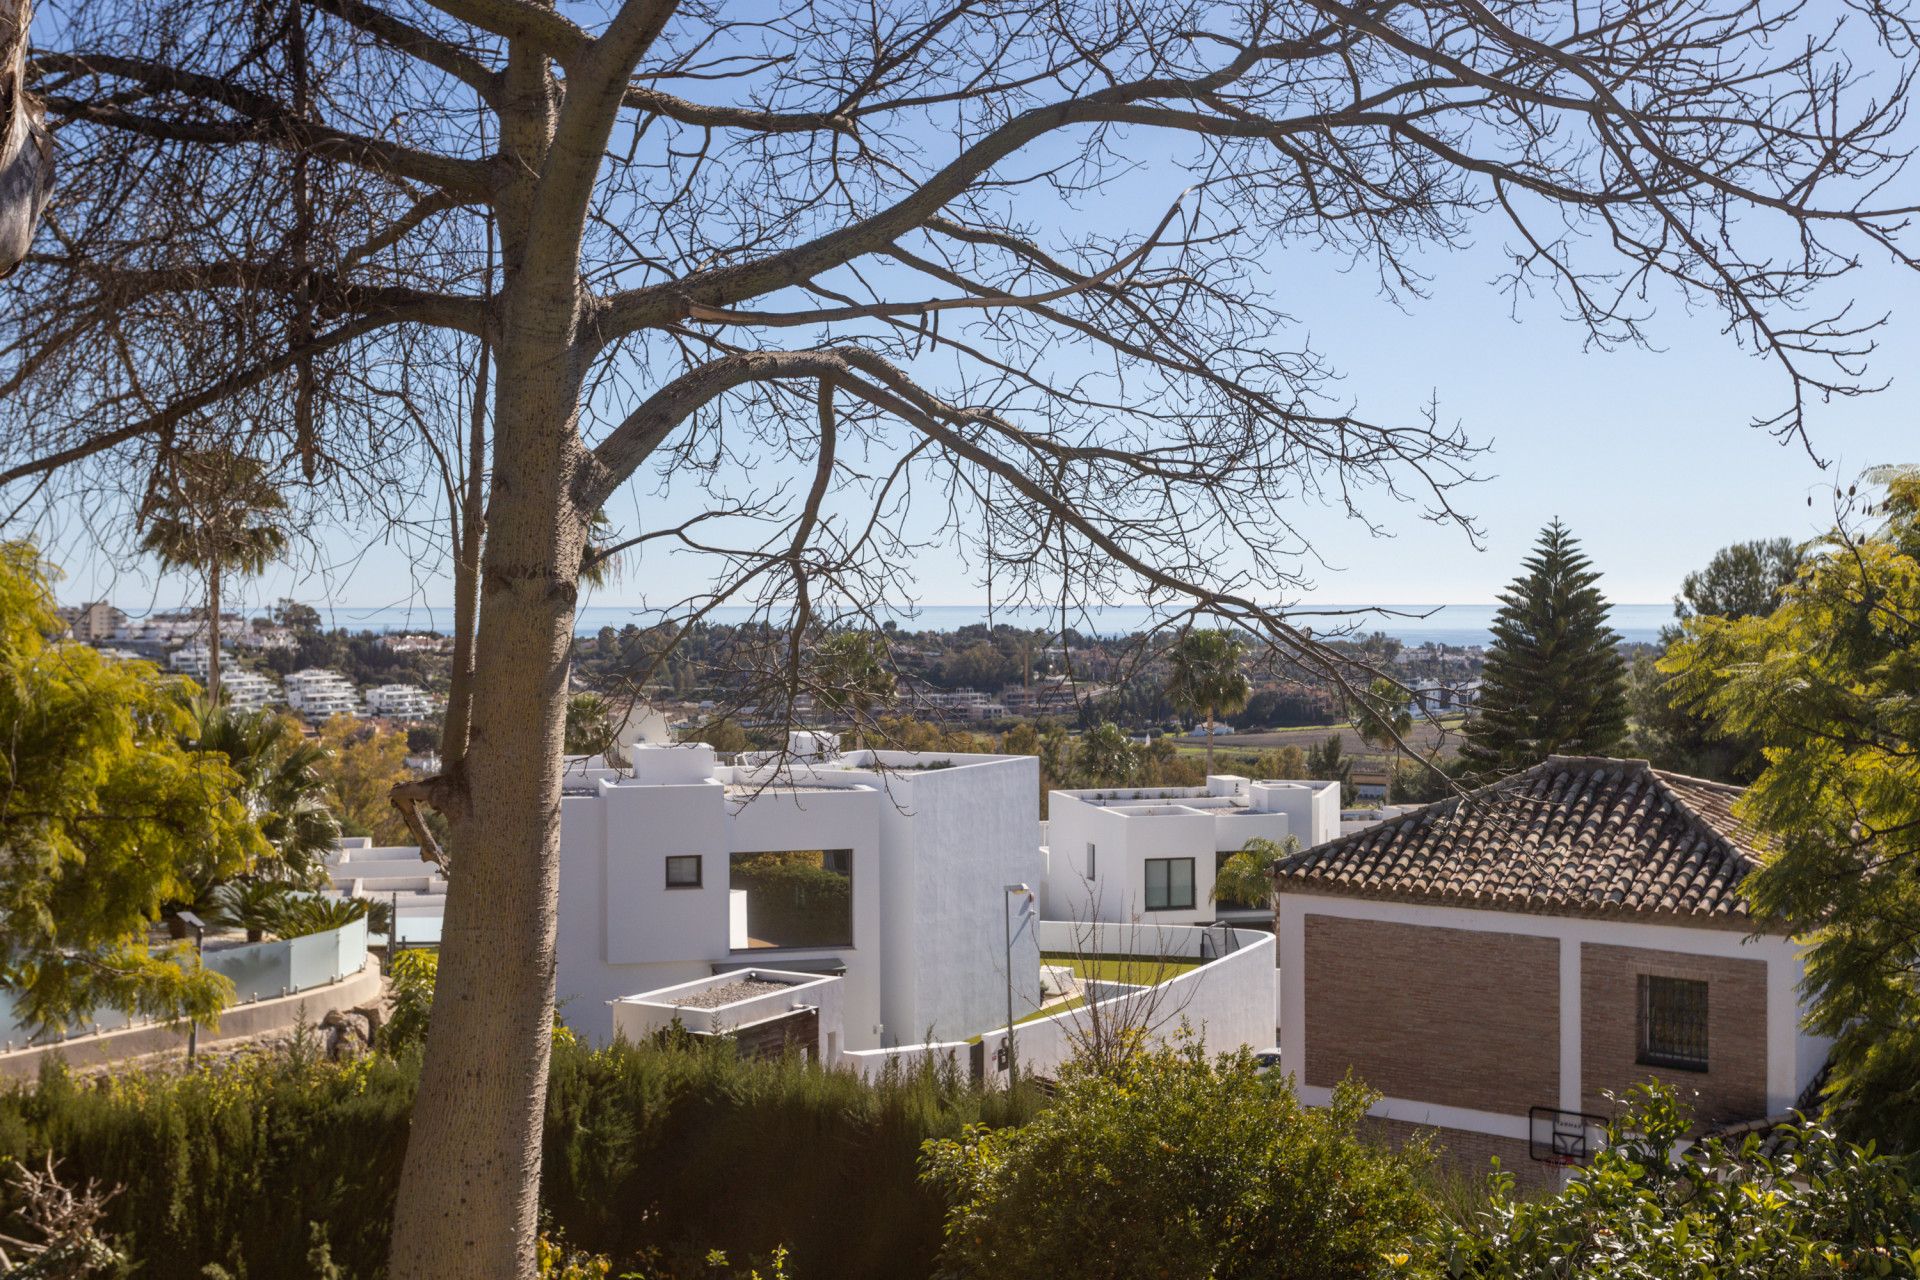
(1411, 624)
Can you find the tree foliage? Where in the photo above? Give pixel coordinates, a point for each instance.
(1246, 878)
(280, 784)
(104, 818)
(358, 770)
(850, 673)
(1803, 1206)
(1827, 684)
(1554, 680)
(1204, 678)
(215, 512)
(1170, 1163)
(1740, 581)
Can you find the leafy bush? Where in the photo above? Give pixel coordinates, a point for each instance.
(286, 1168)
(1645, 1210)
(410, 977)
(1170, 1164)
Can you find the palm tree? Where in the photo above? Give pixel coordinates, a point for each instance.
(279, 770)
(1106, 757)
(1206, 677)
(1384, 719)
(852, 675)
(216, 512)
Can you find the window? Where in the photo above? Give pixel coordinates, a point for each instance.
(1673, 1022)
(1089, 859)
(683, 871)
(796, 897)
(1169, 884)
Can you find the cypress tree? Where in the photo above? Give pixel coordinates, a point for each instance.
(1554, 681)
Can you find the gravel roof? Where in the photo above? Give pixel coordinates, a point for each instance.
(728, 992)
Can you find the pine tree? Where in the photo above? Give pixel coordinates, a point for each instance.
(1554, 681)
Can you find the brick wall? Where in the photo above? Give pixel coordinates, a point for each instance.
(1734, 1086)
(1449, 1016)
(1470, 1155)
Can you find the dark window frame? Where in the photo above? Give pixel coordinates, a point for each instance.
(1674, 1023)
(699, 871)
(1167, 886)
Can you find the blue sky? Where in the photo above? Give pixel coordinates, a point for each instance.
(1647, 455)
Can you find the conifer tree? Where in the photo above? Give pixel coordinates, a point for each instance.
(1554, 681)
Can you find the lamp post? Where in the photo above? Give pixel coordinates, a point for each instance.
(1006, 917)
(199, 928)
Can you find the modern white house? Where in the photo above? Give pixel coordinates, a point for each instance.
(896, 869)
(247, 690)
(191, 660)
(1149, 854)
(319, 694)
(400, 701)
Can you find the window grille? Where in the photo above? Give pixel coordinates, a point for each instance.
(1673, 1022)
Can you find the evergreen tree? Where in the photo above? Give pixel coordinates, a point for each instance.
(1554, 681)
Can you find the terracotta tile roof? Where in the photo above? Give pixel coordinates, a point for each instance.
(1571, 836)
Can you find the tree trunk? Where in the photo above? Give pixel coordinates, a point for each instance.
(1209, 741)
(26, 148)
(213, 632)
(469, 1194)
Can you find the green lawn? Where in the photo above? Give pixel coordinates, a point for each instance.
(1143, 971)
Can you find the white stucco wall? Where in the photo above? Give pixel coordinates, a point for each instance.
(1225, 1003)
(638, 1017)
(932, 850)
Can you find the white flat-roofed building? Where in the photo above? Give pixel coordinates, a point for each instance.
(319, 694)
(892, 867)
(247, 690)
(190, 660)
(1149, 854)
(400, 701)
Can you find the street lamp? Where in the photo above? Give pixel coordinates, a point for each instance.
(1007, 919)
(199, 928)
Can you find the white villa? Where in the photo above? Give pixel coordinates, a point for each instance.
(1149, 854)
(319, 694)
(400, 701)
(890, 868)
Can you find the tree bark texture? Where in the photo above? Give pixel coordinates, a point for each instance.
(26, 147)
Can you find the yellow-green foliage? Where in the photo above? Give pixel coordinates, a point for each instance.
(1829, 685)
(103, 819)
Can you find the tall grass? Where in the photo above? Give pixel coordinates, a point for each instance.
(284, 1167)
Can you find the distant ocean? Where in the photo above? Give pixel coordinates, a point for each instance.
(1411, 624)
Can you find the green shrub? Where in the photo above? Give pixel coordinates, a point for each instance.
(286, 1168)
(1169, 1163)
(1811, 1209)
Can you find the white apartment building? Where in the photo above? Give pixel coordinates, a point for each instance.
(892, 868)
(401, 701)
(1149, 854)
(191, 660)
(319, 694)
(248, 690)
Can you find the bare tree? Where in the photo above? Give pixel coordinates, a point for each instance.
(909, 258)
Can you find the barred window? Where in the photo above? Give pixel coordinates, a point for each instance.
(1673, 1022)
